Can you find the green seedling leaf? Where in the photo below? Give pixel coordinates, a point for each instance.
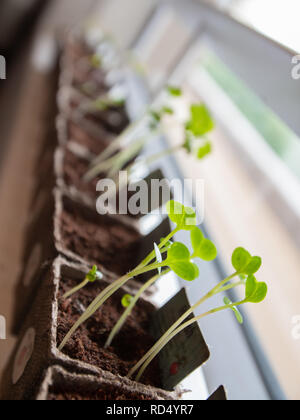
(103, 104)
(126, 301)
(196, 238)
(255, 292)
(253, 266)
(237, 313)
(167, 110)
(179, 261)
(260, 293)
(251, 285)
(188, 144)
(204, 151)
(185, 269)
(156, 116)
(184, 217)
(175, 211)
(94, 275)
(159, 258)
(207, 250)
(190, 219)
(174, 91)
(178, 252)
(201, 121)
(203, 248)
(240, 259)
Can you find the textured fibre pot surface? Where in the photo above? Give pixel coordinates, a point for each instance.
(112, 243)
(82, 234)
(39, 250)
(51, 317)
(60, 385)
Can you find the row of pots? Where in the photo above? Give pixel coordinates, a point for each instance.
(65, 237)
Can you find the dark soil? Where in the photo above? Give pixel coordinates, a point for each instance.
(100, 240)
(80, 136)
(78, 56)
(130, 344)
(113, 119)
(74, 169)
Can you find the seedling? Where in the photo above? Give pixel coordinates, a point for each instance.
(200, 123)
(126, 300)
(178, 259)
(93, 275)
(178, 254)
(246, 267)
(103, 103)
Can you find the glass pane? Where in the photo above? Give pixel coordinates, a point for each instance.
(252, 200)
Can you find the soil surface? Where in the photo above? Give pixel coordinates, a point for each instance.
(80, 136)
(74, 169)
(114, 119)
(100, 240)
(130, 344)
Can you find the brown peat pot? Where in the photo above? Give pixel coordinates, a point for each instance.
(61, 385)
(50, 319)
(113, 243)
(113, 119)
(72, 163)
(39, 250)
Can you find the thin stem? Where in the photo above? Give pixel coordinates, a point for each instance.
(104, 296)
(86, 314)
(132, 151)
(210, 294)
(76, 289)
(116, 143)
(154, 158)
(179, 330)
(128, 311)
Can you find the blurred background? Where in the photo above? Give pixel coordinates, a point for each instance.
(235, 55)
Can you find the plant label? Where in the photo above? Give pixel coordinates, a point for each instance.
(187, 351)
(23, 355)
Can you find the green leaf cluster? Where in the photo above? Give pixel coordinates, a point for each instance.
(203, 248)
(184, 217)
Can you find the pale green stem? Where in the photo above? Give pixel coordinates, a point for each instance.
(101, 298)
(128, 311)
(179, 330)
(179, 321)
(104, 296)
(127, 156)
(116, 143)
(154, 158)
(76, 289)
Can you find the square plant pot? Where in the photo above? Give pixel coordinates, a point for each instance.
(38, 251)
(50, 319)
(76, 65)
(61, 385)
(71, 165)
(113, 119)
(112, 243)
(76, 134)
